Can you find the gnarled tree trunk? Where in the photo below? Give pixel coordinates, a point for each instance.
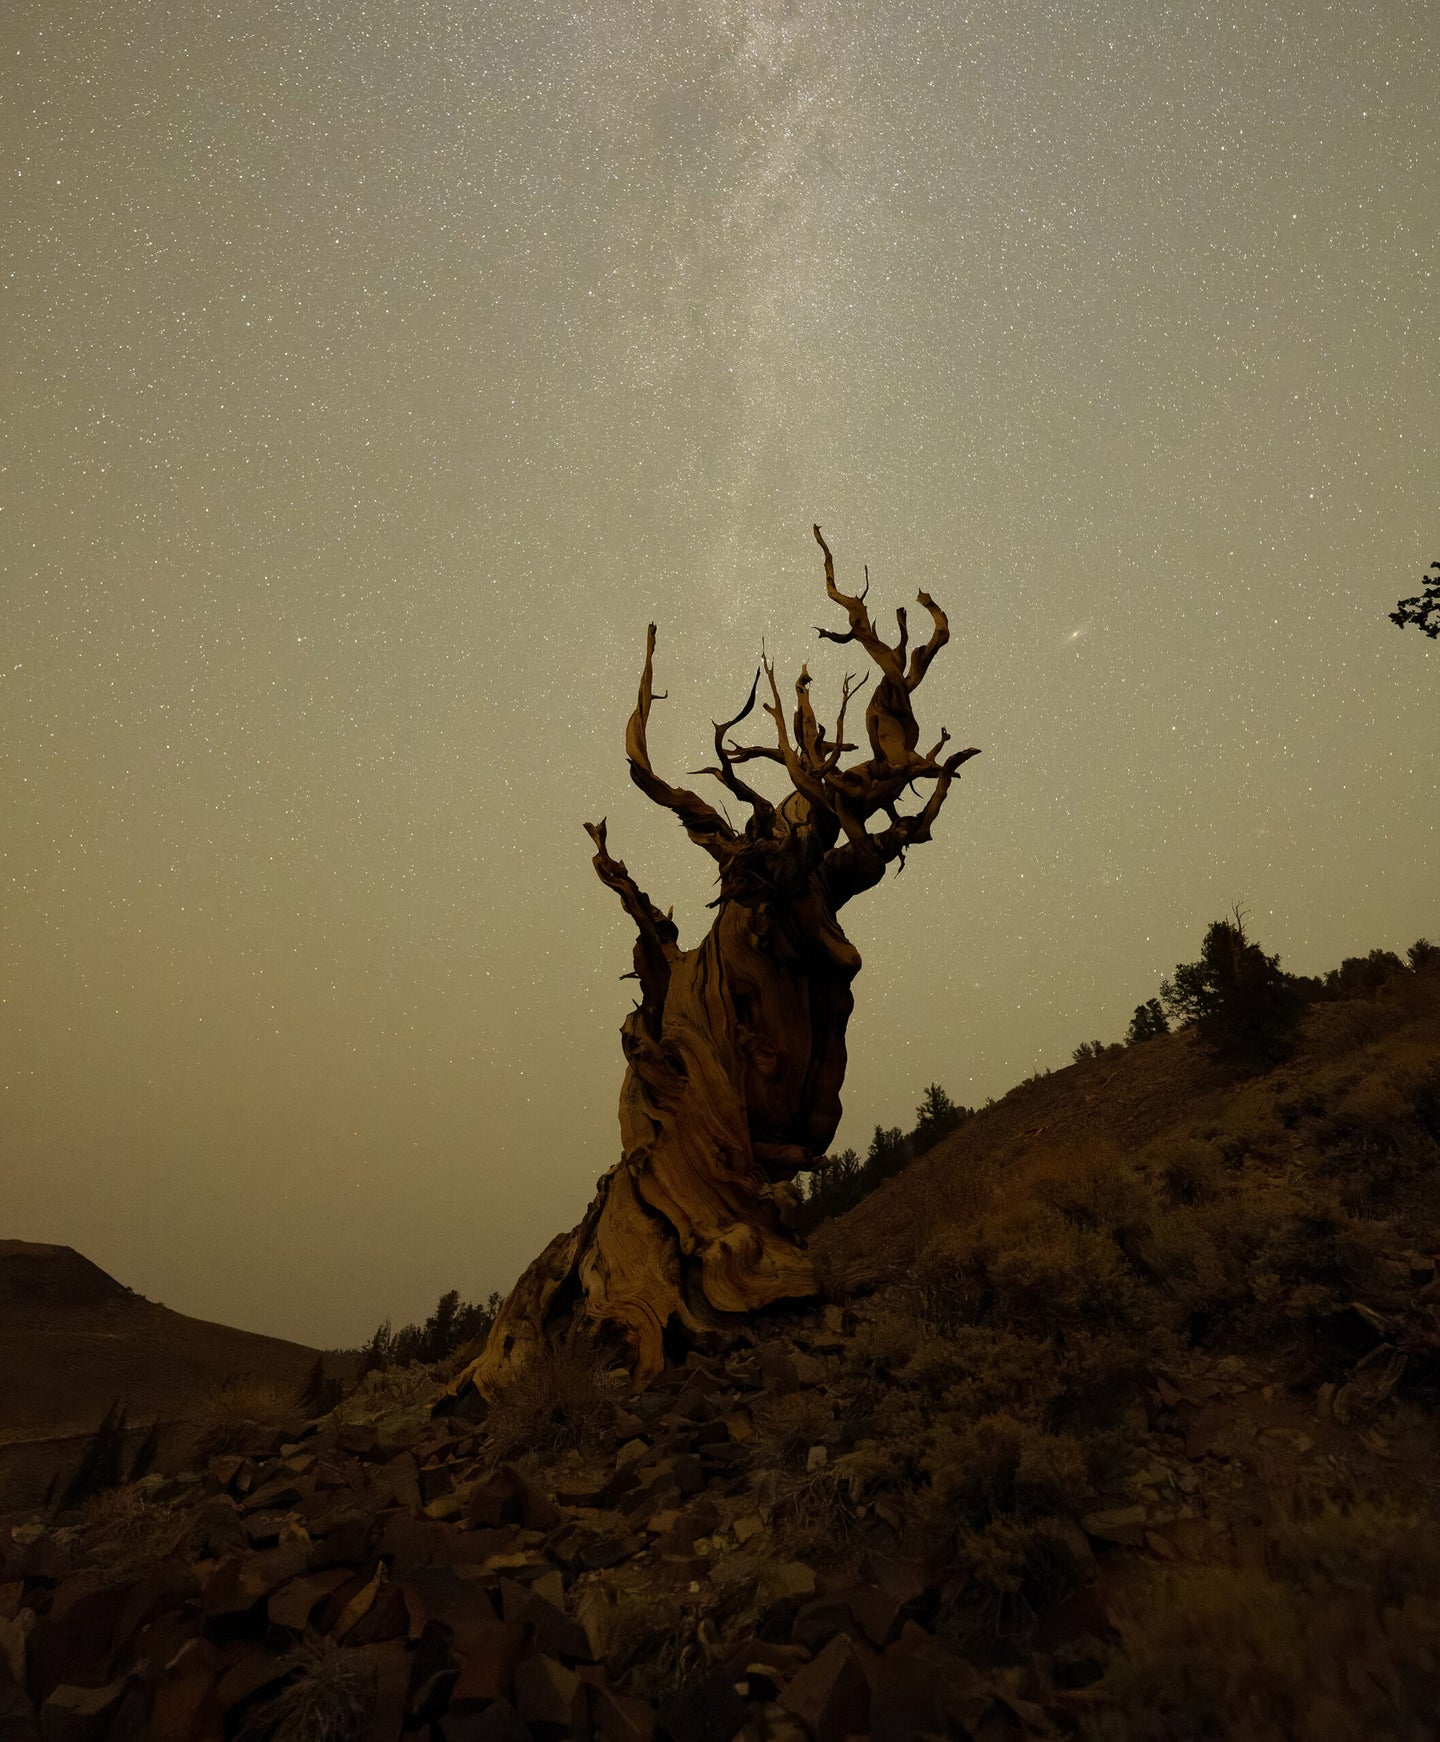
(736, 1051)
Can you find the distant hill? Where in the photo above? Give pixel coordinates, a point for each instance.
(73, 1340)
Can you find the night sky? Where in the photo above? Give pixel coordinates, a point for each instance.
(374, 371)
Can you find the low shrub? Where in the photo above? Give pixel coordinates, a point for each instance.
(560, 1399)
(1329, 1637)
(1001, 1467)
(331, 1698)
(233, 1407)
(786, 1427)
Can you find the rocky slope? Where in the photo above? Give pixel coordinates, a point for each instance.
(1120, 1427)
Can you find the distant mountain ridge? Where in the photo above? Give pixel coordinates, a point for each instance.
(73, 1340)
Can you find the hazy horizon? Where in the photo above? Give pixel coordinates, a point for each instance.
(375, 378)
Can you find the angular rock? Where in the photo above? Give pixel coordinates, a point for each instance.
(71, 1645)
(461, 1605)
(609, 1551)
(548, 1696)
(785, 1579)
(279, 1495)
(830, 1695)
(499, 1722)
(487, 1668)
(706, 1711)
(258, 1669)
(551, 1628)
(14, 1645)
(80, 1714)
(292, 1603)
(1118, 1524)
(392, 1664)
(689, 1475)
(345, 1542)
(778, 1372)
(358, 1604)
(410, 1543)
(17, 1715)
(186, 1704)
(496, 1499)
(387, 1619)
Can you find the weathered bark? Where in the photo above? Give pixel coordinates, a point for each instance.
(735, 1053)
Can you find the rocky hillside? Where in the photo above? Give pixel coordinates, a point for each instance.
(1119, 1421)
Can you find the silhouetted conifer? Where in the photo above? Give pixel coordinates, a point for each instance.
(844, 1179)
(1358, 976)
(935, 1117)
(1424, 609)
(1238, 1000)
(1147, 1023)
(453, 1325)
(375, 1356)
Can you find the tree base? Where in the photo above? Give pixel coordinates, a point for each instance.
(623, 1277)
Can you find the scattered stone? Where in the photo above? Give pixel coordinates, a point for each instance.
(1290, 1437)
(786, 1579)
(1118, 1524)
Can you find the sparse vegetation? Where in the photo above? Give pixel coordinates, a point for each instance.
(845, 1179)
(454, 1327)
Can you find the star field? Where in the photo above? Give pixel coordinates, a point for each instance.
(375, 373)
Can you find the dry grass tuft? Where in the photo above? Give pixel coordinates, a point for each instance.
(786, 1427)
(562, 1399)
(652, 1640)
(236, 1405)
(331, 1699)
(125, 1532)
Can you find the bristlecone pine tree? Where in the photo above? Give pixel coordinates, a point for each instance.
(736, 1051)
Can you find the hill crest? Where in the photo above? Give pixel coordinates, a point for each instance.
(35, 1274)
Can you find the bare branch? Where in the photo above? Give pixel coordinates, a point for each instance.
(805, 783)
(807, 731)
(702, 822)
(922, 656)
(761, 807)
(749, 752)
(657, 943)
(840, 748)
(861, 628)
